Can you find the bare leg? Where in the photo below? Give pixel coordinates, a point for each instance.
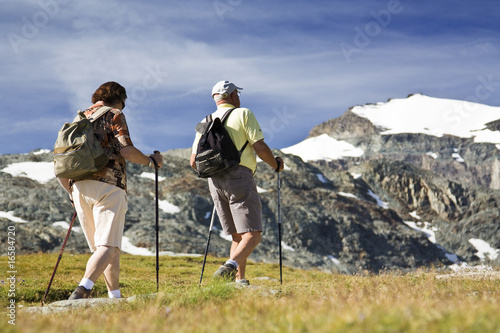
(112, 274)
(242, 247)
(99, 261)
(242, 263)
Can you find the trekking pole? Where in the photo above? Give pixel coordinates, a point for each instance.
(208, 242)
(279, 227)
(157, 227)
(59, 258)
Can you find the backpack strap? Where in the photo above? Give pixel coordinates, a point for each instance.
(98, 113)
(209, 119)
(244, 146)
(226, 115)
(204, 127)
(223, 120)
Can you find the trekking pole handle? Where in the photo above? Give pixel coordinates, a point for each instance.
(153, 160)
(279, 165)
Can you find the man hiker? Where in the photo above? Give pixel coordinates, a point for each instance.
(100, 199)
(234, 191)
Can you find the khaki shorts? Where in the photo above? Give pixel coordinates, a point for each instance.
(101, 209)
(237, 201)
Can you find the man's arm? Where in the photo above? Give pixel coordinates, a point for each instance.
(264, 152)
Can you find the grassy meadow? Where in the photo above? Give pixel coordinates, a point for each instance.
(308, 301)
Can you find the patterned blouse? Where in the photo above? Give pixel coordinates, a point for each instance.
(112, 131)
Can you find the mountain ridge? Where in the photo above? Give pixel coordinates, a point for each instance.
(346, 212)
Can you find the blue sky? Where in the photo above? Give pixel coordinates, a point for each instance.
(300, 62)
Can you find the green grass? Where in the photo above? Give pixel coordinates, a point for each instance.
(308, 301)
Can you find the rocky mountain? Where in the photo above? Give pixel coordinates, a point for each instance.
(359, 194)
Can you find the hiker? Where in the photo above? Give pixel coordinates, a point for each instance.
(234, 191)
(101, 199)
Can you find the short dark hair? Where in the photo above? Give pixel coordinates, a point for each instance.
(110, 93)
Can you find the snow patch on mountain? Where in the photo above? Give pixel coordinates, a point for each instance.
(168, 207)
(152, 176)
(11, 217)
(42, 172)
(433, 116)
(323, 147)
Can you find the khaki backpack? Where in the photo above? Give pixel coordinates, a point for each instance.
(77, 153)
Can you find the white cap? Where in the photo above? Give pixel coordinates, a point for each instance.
(224, 88)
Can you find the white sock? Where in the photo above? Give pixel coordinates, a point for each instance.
(115, 293)
(232, 262)
(87, 284)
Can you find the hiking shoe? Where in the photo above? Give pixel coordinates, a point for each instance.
(243, 283)
(226, 271)
(80, 292)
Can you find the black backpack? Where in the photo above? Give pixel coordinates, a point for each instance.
(216, 151)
